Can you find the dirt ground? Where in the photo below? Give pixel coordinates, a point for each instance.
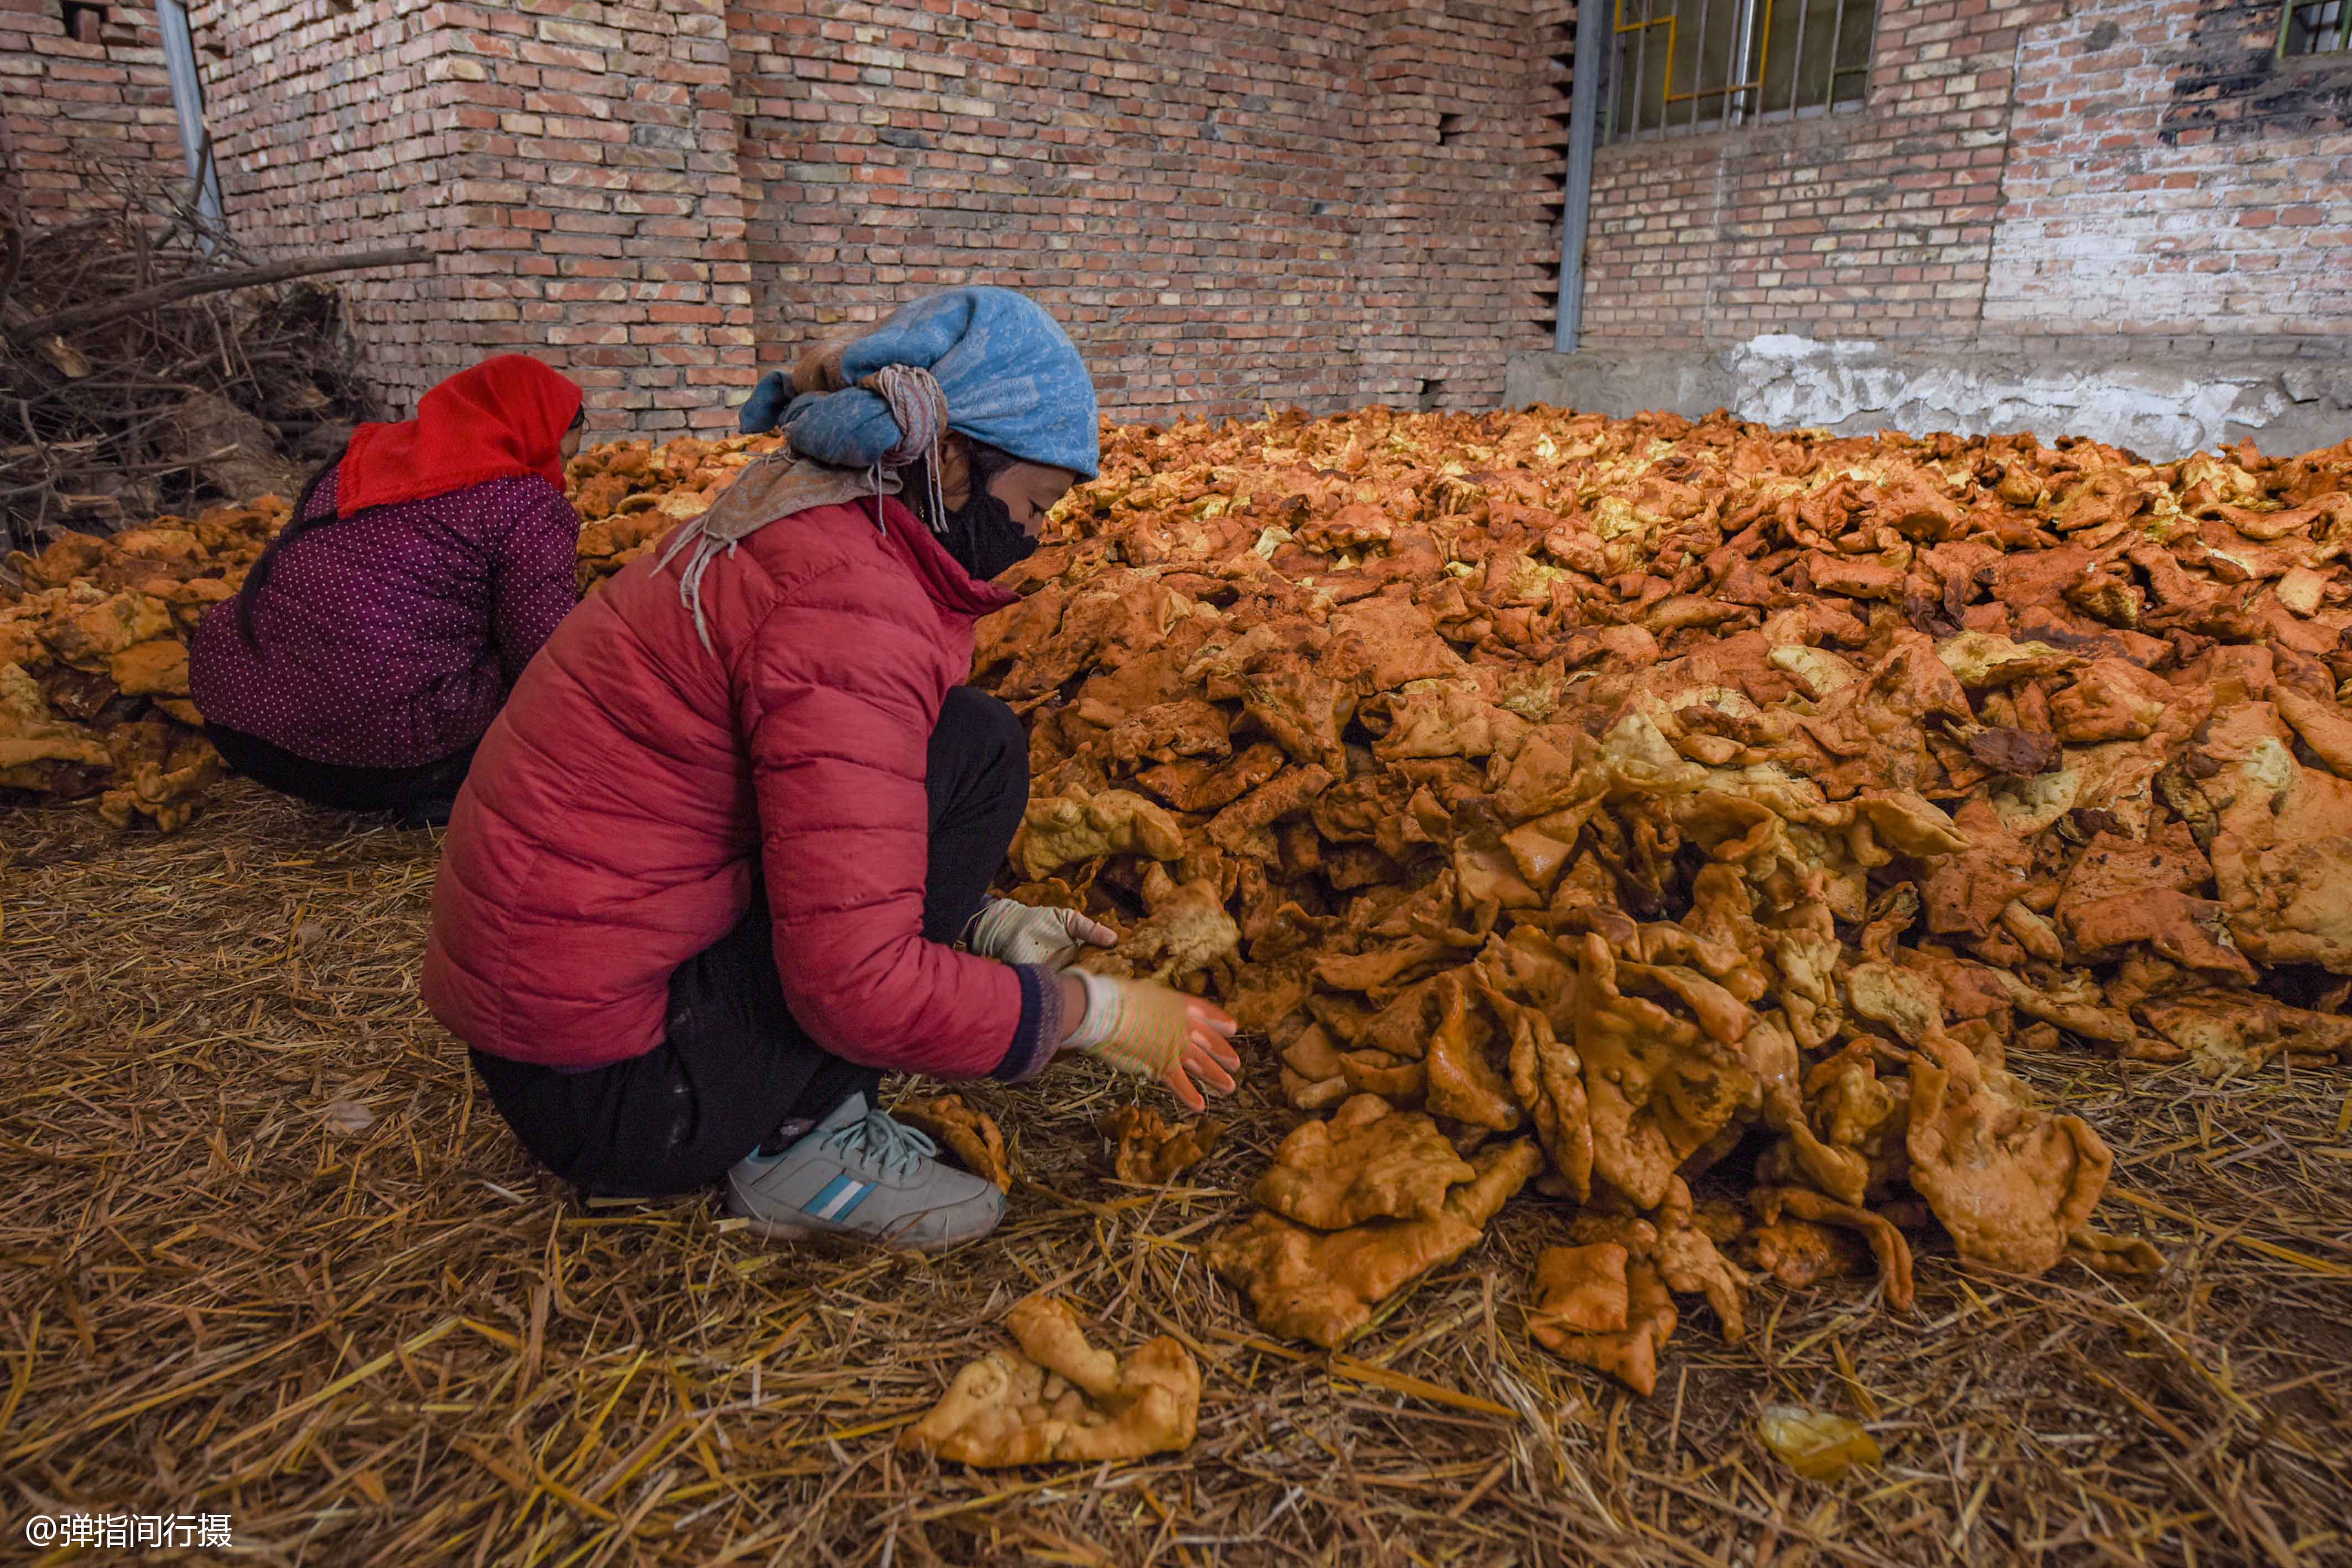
(268, 1253)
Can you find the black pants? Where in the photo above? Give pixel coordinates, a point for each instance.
(734, 1065)
(421, 795)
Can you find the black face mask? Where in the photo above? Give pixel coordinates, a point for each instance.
(984, 539)
(983, 535)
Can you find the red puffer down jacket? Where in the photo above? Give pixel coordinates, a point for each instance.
(607, 828)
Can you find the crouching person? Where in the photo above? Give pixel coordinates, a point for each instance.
(376, 637)
(723, 860)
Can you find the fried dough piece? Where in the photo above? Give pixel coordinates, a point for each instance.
(1547, 1078)
(1886, 1242)
(1165, 731)
(1201, 784)
(1368, 1161)
(1398, 641)
(1583, 1288)
(1302, 711)
(2104, 1254)
(1313, 1075)
(1379, 971)
(1800, 1253)
(1771, 1054)
(2283, 853)
(1323, 1286)
(1187, 931)
(2010, 1183)
(1859, 1121)
(1152, 1152)
(1909, 1003)
(1060, 1400)
(92, 627)
(32, 743)
(1672, 1240)
(1453, 1035)
(1657, 1088)
(1446, 722)
(1241, 827)
(2193, 932)
(2221, 1032)
(1623, 1296)
(1965, 892)
(1060, 830)
(69, 554)
(166, 796)
(2114, 866)
(158, 668)
(1019, 631)
(2322, 726)
(2114, 699)
(973, 1135)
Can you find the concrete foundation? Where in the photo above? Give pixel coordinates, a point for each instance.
(2162, 406)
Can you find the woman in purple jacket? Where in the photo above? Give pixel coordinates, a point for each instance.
(379, 635)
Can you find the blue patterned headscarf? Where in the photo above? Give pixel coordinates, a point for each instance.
(985, 361)
(1012, 378)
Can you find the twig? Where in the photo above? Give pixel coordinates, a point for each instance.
(97, 314)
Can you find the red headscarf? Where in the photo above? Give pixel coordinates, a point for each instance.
(507, 416)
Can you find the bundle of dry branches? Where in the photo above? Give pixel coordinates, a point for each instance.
(141, 372)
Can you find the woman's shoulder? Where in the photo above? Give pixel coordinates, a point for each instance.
(830, 543)
(494, 507)
(530, 489)
(318, 497)
(828, 565)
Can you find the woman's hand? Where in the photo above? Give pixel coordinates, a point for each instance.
(1150, 1030)
(1018, 934)
(1209, 1055)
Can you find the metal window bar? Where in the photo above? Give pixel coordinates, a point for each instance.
(1736, 64)
(2314, 27)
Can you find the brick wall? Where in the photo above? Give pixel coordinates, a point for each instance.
(573, 167)
(1226, 204)
(329, 132)
(1171, 183)
(1453, 246)
(2022, 173)
(1319, 202)
(2170, 175)
(596, 208)
(73, 103)
(1312, 202)
(1876, 222)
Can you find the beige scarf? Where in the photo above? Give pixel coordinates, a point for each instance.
(784, 482)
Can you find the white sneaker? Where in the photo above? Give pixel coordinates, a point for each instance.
(861, 1173)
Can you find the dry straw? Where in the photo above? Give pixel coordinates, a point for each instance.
(269, 1253)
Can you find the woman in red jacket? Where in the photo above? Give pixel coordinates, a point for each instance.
(375, 639)
(724, 859)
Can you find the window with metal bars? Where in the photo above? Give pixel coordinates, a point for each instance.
(1686, 65)
(2316, 27)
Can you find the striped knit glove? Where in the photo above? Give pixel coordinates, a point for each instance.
(1149, 1031)
(1014, 933)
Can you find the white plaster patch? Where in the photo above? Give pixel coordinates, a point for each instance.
(2163, 411)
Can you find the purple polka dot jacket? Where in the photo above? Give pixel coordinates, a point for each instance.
(390, 639)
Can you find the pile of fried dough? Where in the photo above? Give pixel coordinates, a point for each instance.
(1597, 803)
(630, 493)
(93, 631)
(1600, 806)
(94, 661)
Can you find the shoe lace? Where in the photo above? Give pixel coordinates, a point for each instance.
(897, 1149)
